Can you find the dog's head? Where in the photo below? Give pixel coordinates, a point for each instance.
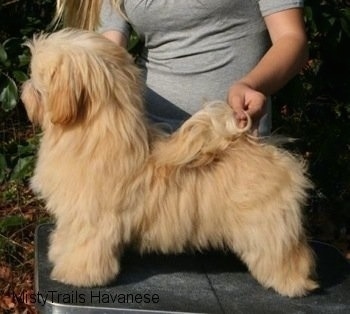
(73, 74)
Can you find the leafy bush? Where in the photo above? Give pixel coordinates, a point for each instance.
(11, 73)
(20, 20)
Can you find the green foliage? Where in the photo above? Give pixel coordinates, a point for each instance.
(10, 222)
(17, 159)
(19, 19)
(329, 32)
(7, 225)
(13, 67)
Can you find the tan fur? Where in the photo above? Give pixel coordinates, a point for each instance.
(111, 180)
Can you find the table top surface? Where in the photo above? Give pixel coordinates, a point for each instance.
(207, 282)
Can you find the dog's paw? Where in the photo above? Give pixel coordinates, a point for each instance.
(298, 288)
(83, 273)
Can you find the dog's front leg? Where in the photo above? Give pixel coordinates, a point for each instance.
(86, 256)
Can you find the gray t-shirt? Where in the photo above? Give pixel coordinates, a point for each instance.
(194, 49)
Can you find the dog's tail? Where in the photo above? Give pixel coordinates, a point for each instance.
(202, 138)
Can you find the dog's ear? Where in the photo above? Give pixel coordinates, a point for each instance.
(66, 94)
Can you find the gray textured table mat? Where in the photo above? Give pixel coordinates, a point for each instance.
(208, 282)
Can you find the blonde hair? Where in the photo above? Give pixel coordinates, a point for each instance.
(84, 14)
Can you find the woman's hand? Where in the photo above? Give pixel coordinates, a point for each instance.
(245, 100)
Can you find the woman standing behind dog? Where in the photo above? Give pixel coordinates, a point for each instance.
(194, 51)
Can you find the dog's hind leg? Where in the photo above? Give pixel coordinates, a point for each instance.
(275, 250)
(85, 256)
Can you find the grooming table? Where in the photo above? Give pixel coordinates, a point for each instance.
(209, 282)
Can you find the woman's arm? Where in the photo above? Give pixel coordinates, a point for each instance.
(282, 61)
(117, 37)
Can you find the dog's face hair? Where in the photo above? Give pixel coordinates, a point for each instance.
(62, 89)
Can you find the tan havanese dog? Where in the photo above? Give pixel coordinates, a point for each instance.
(112, 180)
